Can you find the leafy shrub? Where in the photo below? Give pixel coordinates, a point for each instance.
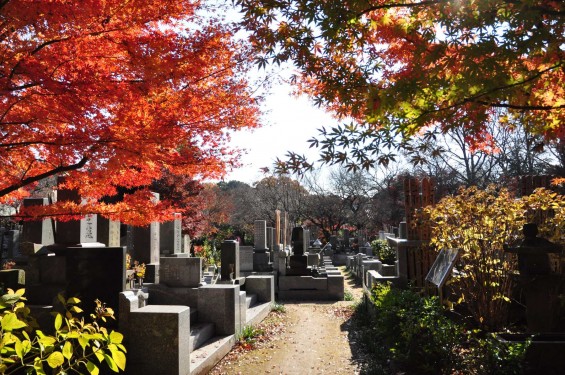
(73, 347)
(411, 334)
(479, 223)
(419, 338)
(383, 251)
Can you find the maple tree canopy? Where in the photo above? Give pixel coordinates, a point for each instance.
(398, 68)
(111, 93)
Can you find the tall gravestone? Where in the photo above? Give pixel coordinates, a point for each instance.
(75, 232)
(246, 258)
(108, 232)
(37, 231)
(171, 237)
(146, 248)
(261, 255)
(277, 232)
(298, 262)
(270, 242)
(230, 261)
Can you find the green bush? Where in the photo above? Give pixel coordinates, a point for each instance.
(75, 347)
(408, 333)
(419, 337)
(383, 251)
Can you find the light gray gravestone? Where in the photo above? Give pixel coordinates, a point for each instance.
(260, 236)
(108, 232)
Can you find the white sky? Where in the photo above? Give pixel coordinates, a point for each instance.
(289, 123)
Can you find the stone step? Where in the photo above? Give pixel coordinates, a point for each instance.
(211, 352)
(200, 333)
(257, 312)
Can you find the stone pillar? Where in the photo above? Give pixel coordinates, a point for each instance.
(277, 238)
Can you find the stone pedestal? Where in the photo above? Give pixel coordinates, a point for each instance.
(166, 328)
(298, 265)
(261, 262)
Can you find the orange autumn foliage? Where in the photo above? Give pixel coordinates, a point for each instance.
(113, 92)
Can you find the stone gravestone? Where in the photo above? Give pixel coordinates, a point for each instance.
(37, 231)
(261, 256)
(246, 258)
(11, 245)
(186, 244)
(298, 262)
(96, 273)
(146, 250)
(108, 232)
(180, 272)
(260, 234)
(74, 233)
(230, 261)
(171, 237)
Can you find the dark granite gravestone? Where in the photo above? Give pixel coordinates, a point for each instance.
(96, 273)
(230, 261)
(40, 231)
(171, 236)
(146, 250)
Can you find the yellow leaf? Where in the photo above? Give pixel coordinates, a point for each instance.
(55, 359)
(68, 350)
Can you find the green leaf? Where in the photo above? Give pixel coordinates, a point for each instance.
(10, 322)
(38, 366)
(73, 301)
(92, 368)
(55, 359)
(83, 342)
(116, 337)
(58, 322)
(68, 350)
(47, 341)
(100, 355)
(120, 359)
(111, 363)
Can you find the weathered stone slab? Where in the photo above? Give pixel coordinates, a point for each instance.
(180, 272)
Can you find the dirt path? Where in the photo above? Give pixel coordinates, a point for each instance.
(308, 338)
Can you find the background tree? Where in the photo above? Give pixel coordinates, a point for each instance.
(113, 93)
(397, 68)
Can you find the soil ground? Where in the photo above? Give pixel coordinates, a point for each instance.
(308, 338)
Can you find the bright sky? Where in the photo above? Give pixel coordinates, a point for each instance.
(289, 123)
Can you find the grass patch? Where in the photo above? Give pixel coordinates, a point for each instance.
(278, 307)
(348, 296)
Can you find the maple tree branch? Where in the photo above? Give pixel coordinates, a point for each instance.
(475, 99)
(26, 181)
(398, 5)
(520, 107)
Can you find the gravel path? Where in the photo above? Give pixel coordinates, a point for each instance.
(308, 338)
